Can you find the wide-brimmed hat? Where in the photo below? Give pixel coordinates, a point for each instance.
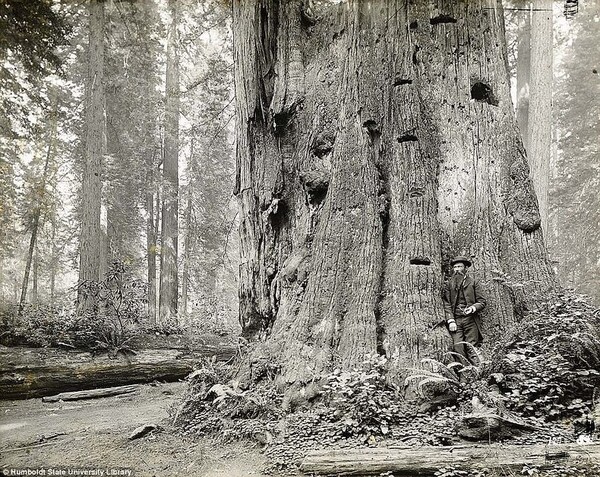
(461, 259)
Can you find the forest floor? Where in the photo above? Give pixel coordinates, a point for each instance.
(94, 434)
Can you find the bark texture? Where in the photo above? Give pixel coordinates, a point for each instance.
(428, 460)
(169, 282)
(92, 240)
(375, 140)
(539, 126)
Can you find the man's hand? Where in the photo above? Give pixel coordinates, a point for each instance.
(470, 310)
(452, 326)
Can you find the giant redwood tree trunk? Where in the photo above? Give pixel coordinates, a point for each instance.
(93, 238)
(375, 140)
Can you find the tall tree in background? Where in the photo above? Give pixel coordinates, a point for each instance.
(210, 170)
(150, 147)
(170, 228)
(92, 236)
(30, 33)
(374, 141)
(523, 66)
(152, 222)
(187, 250)
(574, 198)
(38, 199)
(7, 212)
(208, 215)
(133, 113)
(539, 124)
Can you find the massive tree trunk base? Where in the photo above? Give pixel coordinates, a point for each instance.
(427, 460)
(373, 145)
(28, 373)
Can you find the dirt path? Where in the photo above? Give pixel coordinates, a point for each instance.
(93, 434)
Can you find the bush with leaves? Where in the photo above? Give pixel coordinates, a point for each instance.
(361, 400)
(549, 366)
(37, 325)
(114, 309)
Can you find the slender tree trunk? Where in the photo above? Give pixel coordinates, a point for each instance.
(187, 255)
(152, 157)
(24, 287)
(16, 288)
(375, 140)
(539, 152)
(36, 268)
(169, 266)
(53, 268)
(92, 240)
(151, 237)
(523, 65)
(157, 222)
(188, 243)
(52, 132)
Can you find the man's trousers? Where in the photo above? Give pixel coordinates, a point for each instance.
(467, 331)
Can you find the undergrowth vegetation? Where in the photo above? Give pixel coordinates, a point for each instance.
(116, 310)
(114, 319)
(543, 376)
(549, 366)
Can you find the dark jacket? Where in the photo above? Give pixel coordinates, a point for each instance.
(473, 296)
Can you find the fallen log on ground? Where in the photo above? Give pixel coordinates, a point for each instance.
(92, 393)
(32, 372)
(425, 461)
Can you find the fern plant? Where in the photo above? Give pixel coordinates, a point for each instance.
(439, 375)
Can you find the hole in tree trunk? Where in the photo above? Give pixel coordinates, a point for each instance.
(407, 138)
(442, 19)
(416, 192)
(415, 58)
(280, 122)
(402, 81)
(372, 128)
(323, 146)
(414, 25)
(277, 214)
(483, 93)
(337, 34)
(307, 15)
(420, 261)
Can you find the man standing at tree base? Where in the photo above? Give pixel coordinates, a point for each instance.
(463, 300)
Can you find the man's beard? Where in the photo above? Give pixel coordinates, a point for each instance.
(459, 272)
